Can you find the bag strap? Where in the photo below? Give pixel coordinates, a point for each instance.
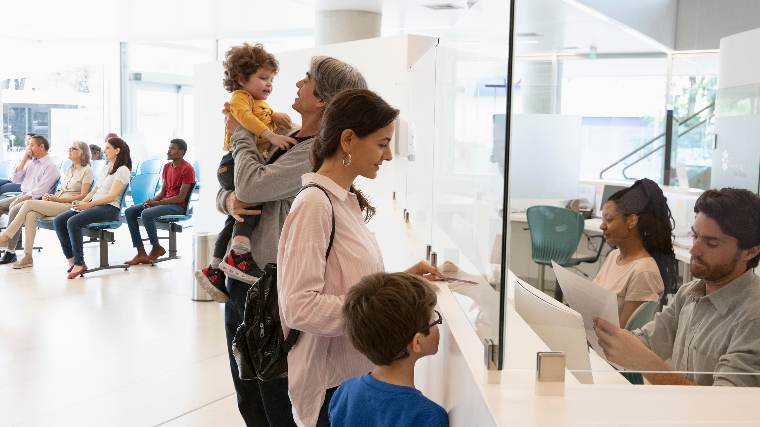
(332, 231)
(293, 335)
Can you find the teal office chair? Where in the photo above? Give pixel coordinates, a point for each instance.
(554, 236)
(640, 317)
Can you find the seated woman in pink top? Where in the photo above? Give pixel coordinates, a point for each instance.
(637, 221)
(353, 140)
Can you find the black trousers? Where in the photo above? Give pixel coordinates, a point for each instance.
(261, 403)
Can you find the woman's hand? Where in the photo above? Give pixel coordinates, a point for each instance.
(50, 197)
(236, 208)
(282, 121)
(82, 206)
(426, 270)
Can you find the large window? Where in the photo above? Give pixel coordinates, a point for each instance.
(63, 91)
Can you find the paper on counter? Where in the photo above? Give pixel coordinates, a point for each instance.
(590, 300)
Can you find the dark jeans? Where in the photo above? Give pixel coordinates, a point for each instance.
(324, 416)
(148, 216)
(233, 228)
(7, 186)
(68, 227)
(261, 403)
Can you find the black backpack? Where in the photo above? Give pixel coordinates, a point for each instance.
(259, 347)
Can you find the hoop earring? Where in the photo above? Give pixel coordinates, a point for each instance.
(347, 159)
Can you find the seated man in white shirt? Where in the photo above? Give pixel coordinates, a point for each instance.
(711, 330)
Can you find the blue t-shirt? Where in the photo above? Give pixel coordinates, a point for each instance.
(365, 401)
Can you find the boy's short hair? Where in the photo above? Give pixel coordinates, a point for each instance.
(384, 311)
(242, 61)
(179, 143)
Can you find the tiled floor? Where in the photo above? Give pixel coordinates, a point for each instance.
(115, 348)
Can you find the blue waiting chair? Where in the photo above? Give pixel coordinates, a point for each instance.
(102, 232)
(150, 166)
(197, 169)
(174, 224)
(144, 186)
(65, 165)
(6, 169)
(98, 231)
(97, 167)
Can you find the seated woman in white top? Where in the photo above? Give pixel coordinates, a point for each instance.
(637, 221)
(75, 185)
(102, 204)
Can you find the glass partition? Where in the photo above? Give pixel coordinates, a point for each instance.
(450, 151)
(469, 180)
(583, 126)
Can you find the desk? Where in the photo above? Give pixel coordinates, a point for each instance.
(455, 377)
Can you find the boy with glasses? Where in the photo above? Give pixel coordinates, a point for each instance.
(390, 318)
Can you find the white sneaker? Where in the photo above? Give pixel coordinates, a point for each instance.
(24, 262)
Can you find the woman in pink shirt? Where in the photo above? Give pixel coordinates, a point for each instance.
(353, 140)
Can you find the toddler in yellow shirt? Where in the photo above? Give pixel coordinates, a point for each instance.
(248, 74)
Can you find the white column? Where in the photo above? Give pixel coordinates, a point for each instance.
(338, 22)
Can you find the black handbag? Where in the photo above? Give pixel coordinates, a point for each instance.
(259, 347)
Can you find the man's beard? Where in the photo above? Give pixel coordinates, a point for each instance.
(714, 273)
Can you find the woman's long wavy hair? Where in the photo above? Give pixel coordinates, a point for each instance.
(655, 225)
(123, 158)
(363, 112)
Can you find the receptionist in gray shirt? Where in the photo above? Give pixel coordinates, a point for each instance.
(711, 330)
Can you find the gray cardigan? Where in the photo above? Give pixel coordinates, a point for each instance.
(273, 186)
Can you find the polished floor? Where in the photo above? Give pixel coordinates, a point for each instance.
(117, 348)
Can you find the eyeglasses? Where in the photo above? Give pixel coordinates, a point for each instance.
(425, 330)
(73, 148)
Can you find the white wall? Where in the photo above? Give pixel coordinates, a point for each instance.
(385, 69)
(736, 160)
(702, 23)
(545, 161)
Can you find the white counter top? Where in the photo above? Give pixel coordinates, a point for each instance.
(456, 376)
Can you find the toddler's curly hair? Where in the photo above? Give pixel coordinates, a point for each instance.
(242, 61)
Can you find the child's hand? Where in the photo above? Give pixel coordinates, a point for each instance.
(281, 141)
(282, 121)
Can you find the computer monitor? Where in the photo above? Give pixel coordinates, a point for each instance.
(607, 191)
(558, 326)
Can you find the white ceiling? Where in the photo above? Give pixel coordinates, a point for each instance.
(557, 24)
(562, 27)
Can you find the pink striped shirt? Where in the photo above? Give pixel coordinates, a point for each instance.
(311, 291)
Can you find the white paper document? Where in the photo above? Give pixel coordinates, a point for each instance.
(590, 300)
